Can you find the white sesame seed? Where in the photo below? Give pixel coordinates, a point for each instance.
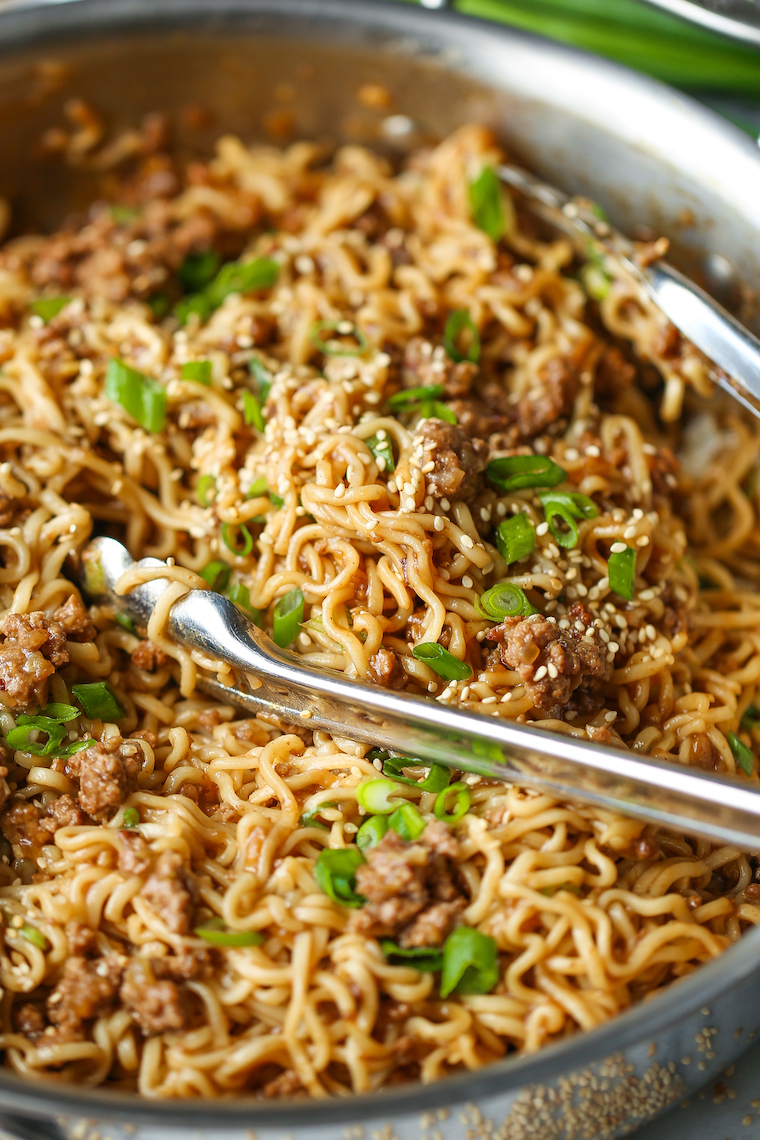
(467, 582)
(593, 452)
(542, 529)
(613, 647)
(618, 548)
(629, 532)
(340, 490)
(438, 522)
(552, 670)
(643, 540)
(572, 454)
(540, 673)
(467, 542)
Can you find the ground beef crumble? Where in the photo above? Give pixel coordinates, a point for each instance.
(426, 364)
(172, 893)
(459, 462)
(86, 990)
(107, 774)
(33, 647)
(155, 1002)
(72, 616)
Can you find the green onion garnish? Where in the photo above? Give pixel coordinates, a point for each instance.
(371, 831)
(287, 618)
(275, 499)
(58, 712)
(217, 574)
(131, 817)
(20, 737)
(515, 537)
(261, 375)
(227, 532)
(407, 822)
(621, 571)
(442, 662)
(123, 215)
(516, 472)
(335, 872)
(374, 796)
(382, 450)
(217, 934)
(470, 962)
(257, 488)
(461, 808)
(505, 600)
(75, 746)
(409, 397)
(333, 347)
(143, 398)
(743, 755)
(568, 507)
(240, 595)
(460, 320)
(234, 277)
(198, 370)
(49, 307)
(206, 490)
(595, 281)
(35, 936)
(436, 779)
(435, 410)
(252, 413)
(197, 304)
(424, 958)
(486, 205)
(159, 304)
(98, 701)
(126, 622)
(309, 818)
(751, 718)
(198, 270)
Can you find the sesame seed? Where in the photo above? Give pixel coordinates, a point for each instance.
(467, 542)
(540, 673)
(643, 540)
(340, 490)
(618, 548)
(552, 670)
(542, 529)
(467, 582)
(445, 505)
(438, 523)
(593, 452)
(629, 532)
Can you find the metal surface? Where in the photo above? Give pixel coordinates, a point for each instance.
(739, 19)
(725, 811)
(649, 155)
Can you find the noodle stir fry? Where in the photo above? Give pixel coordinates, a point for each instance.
(420, 443)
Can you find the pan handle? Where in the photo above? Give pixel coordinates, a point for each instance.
(27, 1128)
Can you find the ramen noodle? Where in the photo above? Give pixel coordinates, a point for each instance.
(426, 445)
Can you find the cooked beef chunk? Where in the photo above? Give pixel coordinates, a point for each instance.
(172, 892)
(148, 656)
(33, 647)
(426, 364)
(107, 774)
(86, 990)
(73, 617)
(459, 461)
(156, 1003)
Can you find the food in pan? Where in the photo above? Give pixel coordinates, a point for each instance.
(423, 444)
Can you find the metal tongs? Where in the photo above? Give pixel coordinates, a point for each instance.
(274, 681)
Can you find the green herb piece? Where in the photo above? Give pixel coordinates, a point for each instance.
(435, 410)
(240, 595)
(262, 376)
(374, 796)
(75, 746)
(470, 962)
(21, 737)
(58, 712)
(751, 718)
(459, 321)
(595, 281)
(198, 370)
(515, 537)
(743, 755)
(242, 277)
(49, 307)
(275, 499)
(159, 304)
(407, 822)
(287, 618)
(408, 398)
(568, 506)
(198, 270)
(442, 662)
(35, 936)
(516, 472)
(98, 701)
(124, 215)
(335, 872)
(252, 413)
(126, 622)
(217, 934)
(257, 488)
(621, 571)
(196, 305)
(131, 817)
(436, 779)
(143, 398)
(462, 806)
(206, 490)
(383, 452)
(424, 958)
(486, 205)
(333, 347)
(505, 600)
(309, 818)
(217, 574)
(228, 530)
(371, 831)
(94, 575)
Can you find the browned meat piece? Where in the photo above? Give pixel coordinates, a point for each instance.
(73, 617)
(287, 1084)
(441, 840)
(613, 372)
(702, 754)
(459, 461)
(21, 825)
(148, 656)
(478, 420)
(566, 660)
(81, 939)
(86, 990)
(551, 399)
(65, 812)
(172, 892)
(410, 891)
(29, 1020)
(135, 856)
(33, 647)
(106, 776)
(187, 964)
(666, 342)
(427, 364)
(384, 668)
(155, 1003)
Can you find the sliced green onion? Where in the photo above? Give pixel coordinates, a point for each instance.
(98, 701)
(131, 817)
(568, 507)
(261, 375)
(374, 796)
(49, 307)
(275, 499)
(333, 347)
(196, 304)
(123, 215)
(143, 398)
(462, 793)
(470, 962)
(435, 410)
(621, 571)
(460, 320)
(751, 718)
(424, 958)
(217, 934)
(571, 888)
(94, 575)
(371, 831)
(505, 600)
(403, 401)
(257, 488)
(206, 490)
(516, 472)
(515, 538)
(35, 936)
(743, 755)
(198, 370)
(242, 277)
(227, 531)
(595, 281)
(442, 662)
(240, 595)
(287, 618)
(335, 873)
(309, 818)
(252, 413)
(436, 779)
(217, 574)
(20, 738)
(159, 304)
(75, 746)
(126, 622)
(382, 450)
(198, 270)
(58, 712)
(486, 205)
(407, 822)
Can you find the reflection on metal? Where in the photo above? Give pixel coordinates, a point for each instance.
(739, 19)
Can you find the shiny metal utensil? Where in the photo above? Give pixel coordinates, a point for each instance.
(274, 681)
(732, 347)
